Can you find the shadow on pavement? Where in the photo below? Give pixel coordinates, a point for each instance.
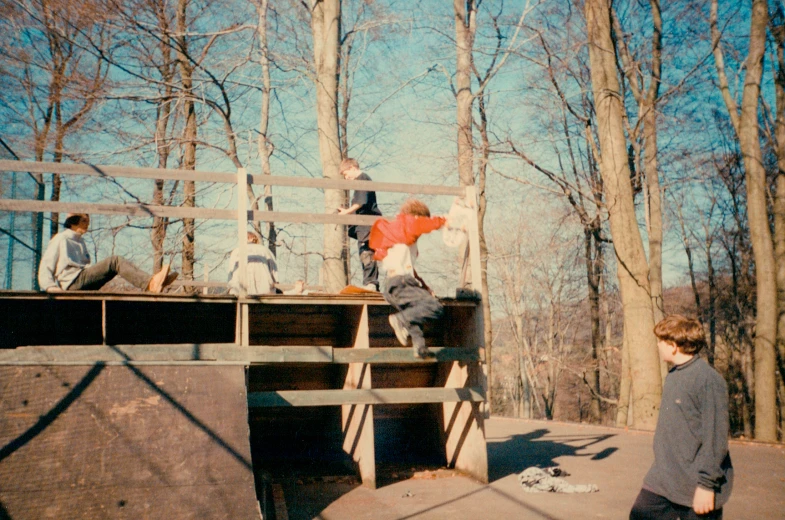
(537, 448)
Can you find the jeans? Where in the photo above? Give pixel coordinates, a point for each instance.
(415, 306)
(370, 267)
(96, 276)
(651, 506)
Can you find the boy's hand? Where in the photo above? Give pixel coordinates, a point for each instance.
(343, 211)
(703, 501)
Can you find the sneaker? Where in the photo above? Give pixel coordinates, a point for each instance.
(422, 352)
(156, 283)
(371, 287)
(400, 331)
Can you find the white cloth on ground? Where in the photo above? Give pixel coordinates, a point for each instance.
(261, 272)
(538, 480)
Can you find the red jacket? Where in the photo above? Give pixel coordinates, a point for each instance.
(405, 229)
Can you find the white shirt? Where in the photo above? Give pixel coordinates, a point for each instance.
(66, 256)
(400, 260)
(261, 271)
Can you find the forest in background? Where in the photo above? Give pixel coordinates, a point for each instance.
(629, 159)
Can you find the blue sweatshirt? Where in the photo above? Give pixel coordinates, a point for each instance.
(691, 440)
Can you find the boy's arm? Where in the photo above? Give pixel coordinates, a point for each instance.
(714, 446)
(351, 209)
(46, 270)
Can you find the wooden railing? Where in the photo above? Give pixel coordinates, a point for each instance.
(242, 214)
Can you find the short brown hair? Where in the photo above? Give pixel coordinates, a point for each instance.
(253, 238)
(348, 164)
(415, 207)
(73, 219)
(686, 333)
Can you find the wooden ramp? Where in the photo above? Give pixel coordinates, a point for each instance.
(167, 406)
(125, 442)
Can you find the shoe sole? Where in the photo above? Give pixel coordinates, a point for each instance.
(400, 332)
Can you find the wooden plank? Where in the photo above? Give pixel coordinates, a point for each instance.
(106, 171)
(357, 419)
(218, 352)
(151, 210)
(279, 502)
(464, 424)
(288, 398)
(208, 176)
(405, 355)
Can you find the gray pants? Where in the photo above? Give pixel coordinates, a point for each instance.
(415, 306)
(370, 268)
(96, 276)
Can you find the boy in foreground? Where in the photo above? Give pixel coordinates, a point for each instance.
(395, 245)
(363, 203)
(692, 475)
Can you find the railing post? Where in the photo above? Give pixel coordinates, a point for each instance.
(242, 255)
(474, 240)
(242, 230)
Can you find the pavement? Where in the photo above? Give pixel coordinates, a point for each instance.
(614, 459)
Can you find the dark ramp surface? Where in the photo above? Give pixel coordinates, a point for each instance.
(84, 442)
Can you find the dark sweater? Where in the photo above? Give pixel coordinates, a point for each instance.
(691, 441)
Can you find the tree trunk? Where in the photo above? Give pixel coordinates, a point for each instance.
(465, 28)
(625, 386)
(650, 166)
(760, 234)
(632, 271)
(593, 277)
(325, 24)
(189, 141)
(265, 147)
(778, 31)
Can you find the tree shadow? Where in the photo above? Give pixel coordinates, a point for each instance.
(519, 452)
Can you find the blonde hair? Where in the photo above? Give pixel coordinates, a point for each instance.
(686, 333)
(415, 207)
(253, 238)
(348, 164)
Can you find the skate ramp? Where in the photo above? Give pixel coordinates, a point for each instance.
(122, 442)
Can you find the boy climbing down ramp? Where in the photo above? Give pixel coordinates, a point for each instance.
(395, 245)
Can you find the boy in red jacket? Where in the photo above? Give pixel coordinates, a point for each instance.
(395, 245)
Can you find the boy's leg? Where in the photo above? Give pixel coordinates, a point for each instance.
(417, 306)
(651, 506)
(96, 276)
(370, 267)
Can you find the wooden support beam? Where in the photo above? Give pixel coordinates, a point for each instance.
(405, 355)
(184, 353)
(357, 419)
(111, 172)
(229, 352)
(286, 398)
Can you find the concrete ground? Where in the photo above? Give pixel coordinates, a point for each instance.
(614, 459)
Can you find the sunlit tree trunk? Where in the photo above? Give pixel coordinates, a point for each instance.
(265, 148)
(325, 25)
(632, 271)
(189, 139)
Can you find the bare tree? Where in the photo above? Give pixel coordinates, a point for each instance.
(326, 27)
(745, 122)
(632, 271)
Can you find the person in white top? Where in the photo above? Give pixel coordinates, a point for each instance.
(261, 269)
(65, 266)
